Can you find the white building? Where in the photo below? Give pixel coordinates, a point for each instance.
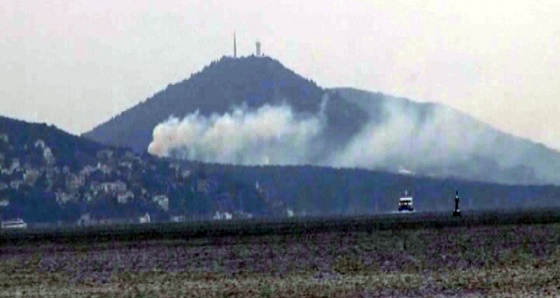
(4, 203)
(178, 218)
(17, 223)
(290, 212)
(162, 201)
(123, 198)
(40, 144)
(63, 198)
(117, 186)
(87, 170)
(49, 156)
(145, 218)
(15, 164)
(125, 164)
(85, 219)
(30, 176)
(222, 216)
(15, 184)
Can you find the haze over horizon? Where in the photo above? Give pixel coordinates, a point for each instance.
(76, 64)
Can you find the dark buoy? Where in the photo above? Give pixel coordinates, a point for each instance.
(457, 212)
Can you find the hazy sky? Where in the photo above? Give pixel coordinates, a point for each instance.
(77, 63)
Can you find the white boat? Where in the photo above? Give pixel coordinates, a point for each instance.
(17, 223)
(406, 203)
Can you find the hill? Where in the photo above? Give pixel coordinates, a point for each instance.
(254, 111)
(20, 140)
(219, 87)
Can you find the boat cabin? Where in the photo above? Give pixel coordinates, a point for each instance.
(406, 203)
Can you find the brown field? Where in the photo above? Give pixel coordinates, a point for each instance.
(469, 260)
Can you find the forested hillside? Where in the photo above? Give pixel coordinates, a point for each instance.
(254, 111)
(219, 87)
(320, 190)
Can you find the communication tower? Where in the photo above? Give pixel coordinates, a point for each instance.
(234, 46)
(258, 51)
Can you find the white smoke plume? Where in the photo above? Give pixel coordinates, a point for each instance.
(442, 141)
(404, 139)
(268, 135)
(276, 135)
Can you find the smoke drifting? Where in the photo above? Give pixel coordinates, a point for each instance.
(433, 139)
(409, 139)
(268, 135)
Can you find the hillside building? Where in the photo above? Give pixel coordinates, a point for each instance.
(4, 203)
(124, 198)
(162, 201)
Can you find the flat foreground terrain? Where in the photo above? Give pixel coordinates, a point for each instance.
(500, 260)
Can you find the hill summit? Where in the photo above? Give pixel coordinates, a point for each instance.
(224, 84)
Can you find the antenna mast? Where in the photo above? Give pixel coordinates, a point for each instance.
(234, 46)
